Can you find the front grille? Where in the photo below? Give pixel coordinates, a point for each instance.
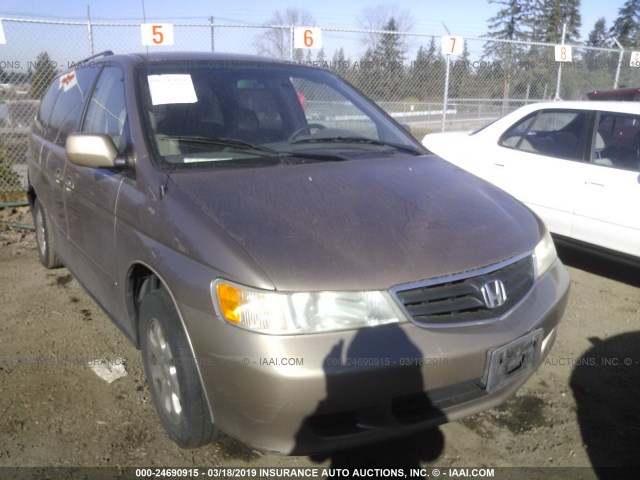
(460, 299)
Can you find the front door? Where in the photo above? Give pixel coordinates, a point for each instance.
(92, 192)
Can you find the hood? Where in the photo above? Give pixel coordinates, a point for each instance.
(361, 224)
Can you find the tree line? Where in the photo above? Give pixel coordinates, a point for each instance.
(509, 66)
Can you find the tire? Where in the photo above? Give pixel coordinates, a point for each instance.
(175, 386)
(44, 237)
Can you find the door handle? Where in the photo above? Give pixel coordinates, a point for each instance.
(68, 182)
(58, 175)
(498, 165)
(595, 184)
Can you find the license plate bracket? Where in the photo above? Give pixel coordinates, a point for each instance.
(513, 360)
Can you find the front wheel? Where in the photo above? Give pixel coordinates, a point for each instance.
(171, 372)
(44, 237)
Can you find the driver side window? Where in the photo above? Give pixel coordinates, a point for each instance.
(106, 112)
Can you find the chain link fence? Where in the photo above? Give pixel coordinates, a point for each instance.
(404, 72)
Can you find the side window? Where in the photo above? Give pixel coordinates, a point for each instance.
(514, 137)
(46, 107)
(555, 133)
(106, 112)
(73, 89)
(616, 142)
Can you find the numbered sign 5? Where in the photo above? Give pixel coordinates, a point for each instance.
(635, 59)
(452, 45)
(564, 53)
(157, 34)
(307, 37)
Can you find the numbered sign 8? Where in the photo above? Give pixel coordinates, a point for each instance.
(154, 34)
(635, 59)
(452, 45)
(564, 53)
(307, 37)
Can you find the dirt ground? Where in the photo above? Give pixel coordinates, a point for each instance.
(579, 410)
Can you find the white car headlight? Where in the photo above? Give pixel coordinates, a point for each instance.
(545, 254)
(302, 312)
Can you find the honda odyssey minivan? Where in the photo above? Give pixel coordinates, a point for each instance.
(298, 271)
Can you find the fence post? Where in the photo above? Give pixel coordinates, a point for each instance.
(446, 92)
(90, 31)
(564, 33)
(615, 82)
(291, 42)
(213, 38)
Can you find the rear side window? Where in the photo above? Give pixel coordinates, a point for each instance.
(554, 133)
(73, 89)
(616, 141)
(106, 112)
(46, 107)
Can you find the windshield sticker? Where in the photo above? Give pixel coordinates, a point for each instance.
(68, 81)
(172, 88)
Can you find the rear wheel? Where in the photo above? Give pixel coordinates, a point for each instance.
(44, 237)
(172, 375)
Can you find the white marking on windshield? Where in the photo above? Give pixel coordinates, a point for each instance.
(172, 88)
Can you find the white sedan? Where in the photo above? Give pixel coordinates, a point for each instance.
(576, 164)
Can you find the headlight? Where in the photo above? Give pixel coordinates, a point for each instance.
(545, 254)
(301, 312)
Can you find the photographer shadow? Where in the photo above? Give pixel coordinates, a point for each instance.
(387, 399)
(606, 388)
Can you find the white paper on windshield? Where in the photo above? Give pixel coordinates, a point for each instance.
(172, 88)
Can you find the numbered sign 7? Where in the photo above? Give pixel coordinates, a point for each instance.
(452, 45)
(307, 37)
(154, 34)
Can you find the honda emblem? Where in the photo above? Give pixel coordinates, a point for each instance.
(494, 294)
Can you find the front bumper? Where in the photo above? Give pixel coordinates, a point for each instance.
(305, 394)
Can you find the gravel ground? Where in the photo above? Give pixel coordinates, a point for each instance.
(579, 410)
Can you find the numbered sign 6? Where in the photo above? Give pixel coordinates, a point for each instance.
(635, 59)
(452, 45)
(307, 37)
(564, 53)
(157, 34)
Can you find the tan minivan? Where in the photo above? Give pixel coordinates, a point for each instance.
(298, 271)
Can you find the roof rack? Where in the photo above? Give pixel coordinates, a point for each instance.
(106, 53)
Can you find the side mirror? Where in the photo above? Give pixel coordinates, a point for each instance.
(91, 150)
(407, 127)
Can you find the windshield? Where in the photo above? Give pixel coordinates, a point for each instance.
(229, 112)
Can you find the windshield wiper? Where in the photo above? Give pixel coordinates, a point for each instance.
(223, 142)
(331, 157)
(369, 141)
